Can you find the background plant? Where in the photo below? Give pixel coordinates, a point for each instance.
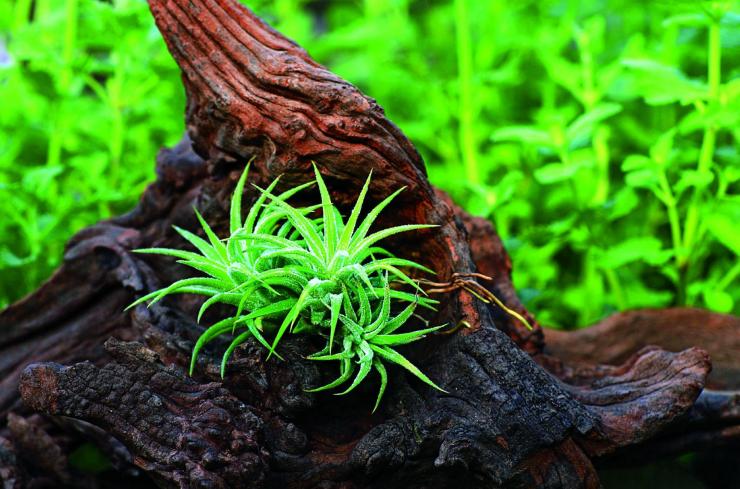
(599, 136)
(82, 99)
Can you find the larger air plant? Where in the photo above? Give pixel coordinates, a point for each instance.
(306, 270)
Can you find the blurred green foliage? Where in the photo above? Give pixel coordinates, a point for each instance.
(599, 136)
(88, 93)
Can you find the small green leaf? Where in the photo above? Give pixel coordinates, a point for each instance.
(330, 224)
(349, 228)
(385, 233)
(217, 329)
(646, 178)
(215, 241)
(660, 152)
(347, 370)
(636, 162)
(236, 342)
(380, 368)
(366, 362)
(366, 223)
(199, 243)
(235, 216)
(397, 358)
(722, 223)
(403, 338)
(693, 19)
(660, 84)
(695, 179)
(336, 304)
(523, 134)
(718, 300)
(584, 125)
(556, 172)
(647, 249)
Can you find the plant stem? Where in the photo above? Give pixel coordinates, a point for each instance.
(58, 125)
(714, 75)
(669, 200)
(466, 112)
(731, 275)
(593, 283)
(600, 145)
(116, 139)
(600, 138)
(589, 97)
(616, 288)
(54, 147)
(70, 39)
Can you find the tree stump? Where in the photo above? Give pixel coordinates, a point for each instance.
(520, 410)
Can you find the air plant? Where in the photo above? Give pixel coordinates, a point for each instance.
(305, 270)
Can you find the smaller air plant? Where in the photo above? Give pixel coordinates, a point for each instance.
(306, 270)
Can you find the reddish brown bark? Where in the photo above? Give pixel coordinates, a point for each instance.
(518, 413)
(618, 337)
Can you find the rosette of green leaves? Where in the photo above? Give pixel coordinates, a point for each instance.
(305, 270)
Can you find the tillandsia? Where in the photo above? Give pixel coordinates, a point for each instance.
(306, 270)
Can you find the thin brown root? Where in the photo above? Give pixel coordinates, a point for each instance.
(467, 282)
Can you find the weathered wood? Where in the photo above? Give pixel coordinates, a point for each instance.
(183, 433)
(516, 415)
(618, 337)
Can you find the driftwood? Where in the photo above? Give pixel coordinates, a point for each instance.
(524, 409)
